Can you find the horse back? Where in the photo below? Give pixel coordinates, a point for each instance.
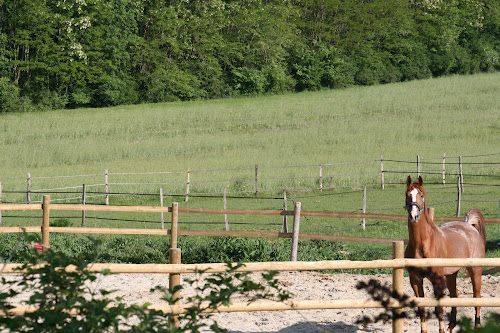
(462, 240)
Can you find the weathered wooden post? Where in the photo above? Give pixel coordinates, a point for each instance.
(295, 234)
(256, 180)
(45, 222)
(444, 168)
(106, 185)
(285, 207)
(84, 200)
(175, 222)
(321, 178)
(175, 258)
(0, 203)
(430, 212)
(382, 171)
(161, 205)
(398, 284)
(418, 165)
(226, 220)
(461, 174)
(459, 199)
(28, 189)
(188, 184)
(363, 221)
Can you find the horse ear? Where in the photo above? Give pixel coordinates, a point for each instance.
(408, 181)
(420, 181)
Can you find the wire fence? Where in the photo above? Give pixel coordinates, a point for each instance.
(478, 175)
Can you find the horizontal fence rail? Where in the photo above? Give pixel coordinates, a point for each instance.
(154, 209)
(278, 266)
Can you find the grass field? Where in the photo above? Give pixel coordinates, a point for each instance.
(459, 115)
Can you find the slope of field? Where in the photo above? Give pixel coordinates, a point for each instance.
(457, 115)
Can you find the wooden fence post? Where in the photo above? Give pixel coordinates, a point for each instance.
(295, 235)
(461, 174)
(175, 258)
(45, 222)
(363, 221)
(106, 184)
(418, 165)
(382, 171)
(175, 222)
(0, 203)
(430, 212)
(444, 168)
(459, 199)
(398, 284)
(174, 281)
(161, 205)
(226, 220)
(285, 207)
(28, 189)
(321, 178)
(188, 183)
(84, 199)
(256, 180)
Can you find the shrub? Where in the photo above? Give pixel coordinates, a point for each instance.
(249, 81)
(113, 90)
(10, 99)
(61, 222)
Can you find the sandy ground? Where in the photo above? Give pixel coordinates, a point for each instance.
(135, 289)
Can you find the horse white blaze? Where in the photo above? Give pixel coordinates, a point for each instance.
(414, 209)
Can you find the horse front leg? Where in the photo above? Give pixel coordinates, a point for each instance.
(475, 275)
(439, 286)
(417, 284)
(451, 283)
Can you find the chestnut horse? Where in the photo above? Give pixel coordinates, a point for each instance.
(452, 240)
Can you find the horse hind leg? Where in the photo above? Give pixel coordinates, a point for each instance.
(475, 275)
(417, 284)
(451, 283)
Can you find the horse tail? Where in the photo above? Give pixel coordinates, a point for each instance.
(476, 219)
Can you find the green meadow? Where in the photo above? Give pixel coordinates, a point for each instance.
(456, 115)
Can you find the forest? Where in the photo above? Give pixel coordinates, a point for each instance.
(95, 53)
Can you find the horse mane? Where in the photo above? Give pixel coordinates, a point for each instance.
(476, 219)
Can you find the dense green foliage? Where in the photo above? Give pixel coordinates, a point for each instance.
(56, 54)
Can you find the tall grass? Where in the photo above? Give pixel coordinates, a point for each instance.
(457, 115)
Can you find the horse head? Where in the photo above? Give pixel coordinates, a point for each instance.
(415, 199)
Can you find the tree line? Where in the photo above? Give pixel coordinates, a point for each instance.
(95, 53)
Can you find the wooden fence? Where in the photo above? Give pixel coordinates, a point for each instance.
(398, 264)
(47, 206)
(175, 268)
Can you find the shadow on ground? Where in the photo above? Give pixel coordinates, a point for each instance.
(315, 327)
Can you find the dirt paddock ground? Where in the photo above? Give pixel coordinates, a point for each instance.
(134, 288)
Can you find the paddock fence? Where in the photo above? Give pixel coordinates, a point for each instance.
(398, 264)
(256, 179)
(175, 268)
(46, 207)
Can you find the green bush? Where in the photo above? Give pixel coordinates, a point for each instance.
(10, 99)
(114, 90)
(61, 222)
(249, 81)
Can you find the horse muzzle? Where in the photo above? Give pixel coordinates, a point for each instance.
(414, 211)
